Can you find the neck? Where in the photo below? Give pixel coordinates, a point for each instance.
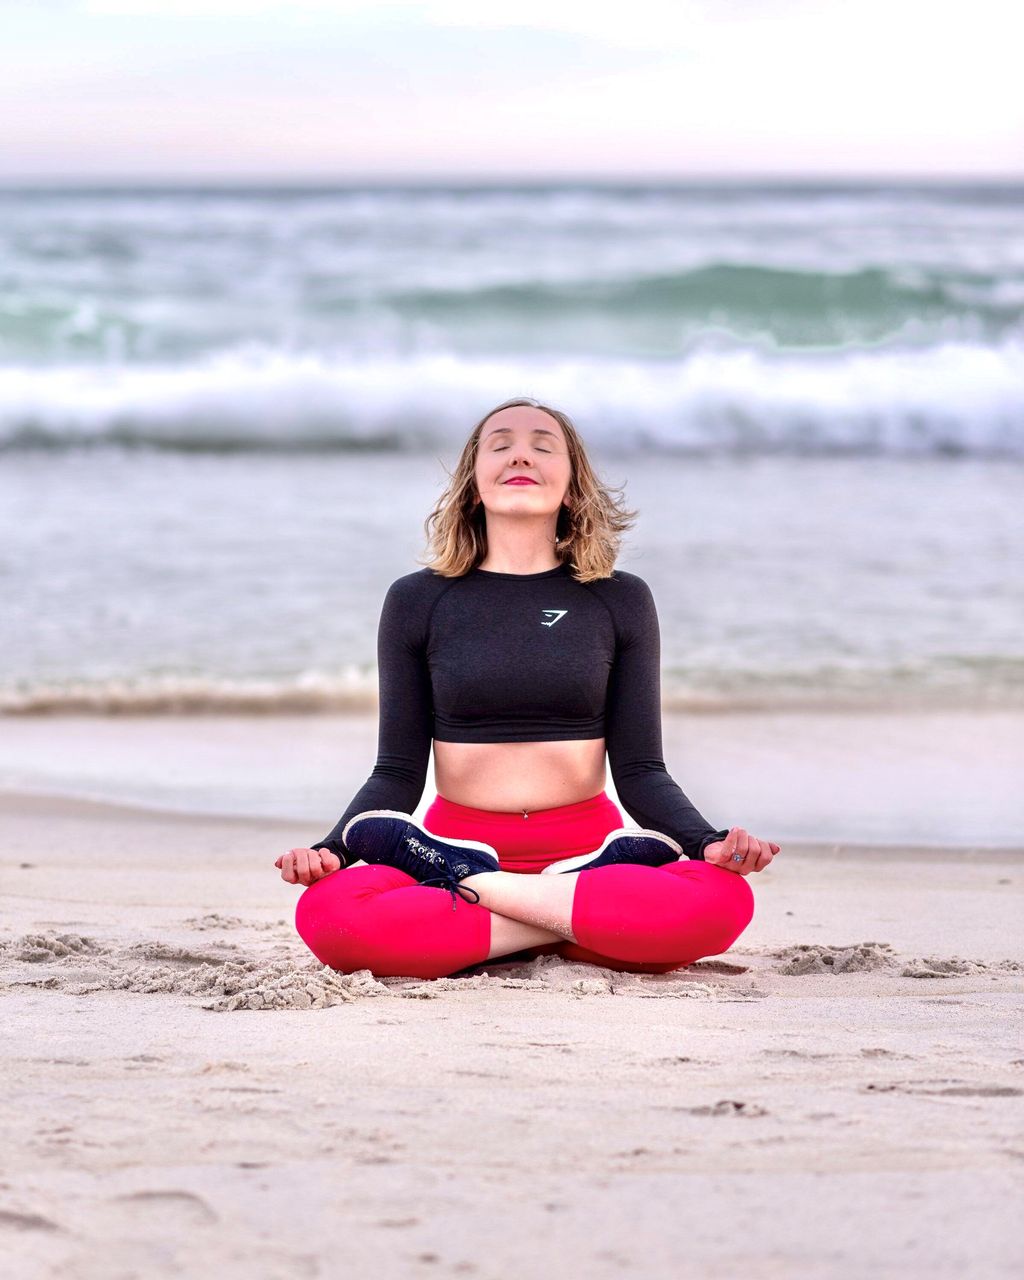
(514, 547)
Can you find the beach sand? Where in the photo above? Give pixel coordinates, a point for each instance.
(189, 1093)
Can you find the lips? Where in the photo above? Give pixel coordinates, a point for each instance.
(521, 480)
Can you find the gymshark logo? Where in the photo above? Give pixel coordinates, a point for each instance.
(554, 615)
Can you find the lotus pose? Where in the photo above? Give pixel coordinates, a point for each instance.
(524, 657)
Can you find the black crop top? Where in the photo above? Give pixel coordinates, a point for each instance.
(535, 657)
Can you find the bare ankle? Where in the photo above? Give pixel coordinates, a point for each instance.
(508, 936)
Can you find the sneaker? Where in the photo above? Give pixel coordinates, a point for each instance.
(624, 844)
(395, 840)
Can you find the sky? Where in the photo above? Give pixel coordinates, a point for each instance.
(667, 89)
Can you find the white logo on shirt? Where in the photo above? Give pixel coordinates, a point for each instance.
(554, 615)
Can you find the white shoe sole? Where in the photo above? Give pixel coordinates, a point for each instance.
(429, 835)
(584, 859)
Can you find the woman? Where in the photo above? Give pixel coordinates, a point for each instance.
(524, 658)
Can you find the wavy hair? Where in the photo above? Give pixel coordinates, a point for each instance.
(590, 523)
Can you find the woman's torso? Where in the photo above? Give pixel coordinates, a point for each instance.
(508, 777)
(516, 669)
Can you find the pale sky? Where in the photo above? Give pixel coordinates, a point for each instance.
(341, 89)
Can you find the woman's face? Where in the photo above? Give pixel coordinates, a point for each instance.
(517, 444)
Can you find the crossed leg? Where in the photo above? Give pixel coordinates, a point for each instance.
(626, 917)
(665, 917)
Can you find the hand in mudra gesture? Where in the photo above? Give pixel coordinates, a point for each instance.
(754, 854)
(303, 866)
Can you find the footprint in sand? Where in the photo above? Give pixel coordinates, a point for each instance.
(982, 1091)
(717, 966)
(214, 920)
(169, 953)
(946, 1088)
(166, 1209)
(723, 1107)
(728, 1107)
(141, 1061)
(794, 1053)
(954, 966)
(11, 1221)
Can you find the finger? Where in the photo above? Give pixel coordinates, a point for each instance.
(278, 861)
(315, 870)
(288, 867)
(731, 856)
(741, 847)
(722, 857)
(774, 847)
(302, 868)
(763, 856)
(320, 863)
(745, 865)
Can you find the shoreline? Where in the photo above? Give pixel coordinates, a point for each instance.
(62, 805)
(930, 781)
(183, 700)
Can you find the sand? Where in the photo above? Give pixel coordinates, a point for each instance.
(189, 1093)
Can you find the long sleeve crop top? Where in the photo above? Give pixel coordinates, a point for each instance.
(535, 657)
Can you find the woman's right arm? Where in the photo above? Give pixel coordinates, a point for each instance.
(406, 712)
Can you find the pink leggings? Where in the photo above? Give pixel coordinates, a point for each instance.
(632, 918)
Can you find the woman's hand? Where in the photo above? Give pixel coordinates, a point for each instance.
(303, 866)
(755, 854)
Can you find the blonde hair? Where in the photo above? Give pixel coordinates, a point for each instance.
(590, 523)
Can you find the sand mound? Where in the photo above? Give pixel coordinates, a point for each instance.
(36, 948)
(226, 977)
(250, 984)
(263, 975)
(863, 957)
(816, 957)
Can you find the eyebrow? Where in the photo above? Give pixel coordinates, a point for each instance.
(536, 431)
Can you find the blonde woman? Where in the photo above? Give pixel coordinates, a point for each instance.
(524, 657)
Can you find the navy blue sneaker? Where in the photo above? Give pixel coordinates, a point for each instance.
(624, 844)
(393, 839)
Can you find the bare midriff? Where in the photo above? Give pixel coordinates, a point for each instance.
(515, 777)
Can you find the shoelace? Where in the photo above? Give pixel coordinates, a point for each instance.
(453, 886)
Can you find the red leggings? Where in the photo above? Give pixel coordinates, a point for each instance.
(632, 918)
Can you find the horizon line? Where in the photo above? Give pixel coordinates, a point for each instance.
(504, 179)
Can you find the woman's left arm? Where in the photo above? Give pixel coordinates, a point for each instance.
(633, 738)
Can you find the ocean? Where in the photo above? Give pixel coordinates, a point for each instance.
(226, 413)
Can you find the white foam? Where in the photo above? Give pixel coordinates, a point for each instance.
(953, 397)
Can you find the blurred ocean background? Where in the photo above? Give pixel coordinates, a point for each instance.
(226, 413)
